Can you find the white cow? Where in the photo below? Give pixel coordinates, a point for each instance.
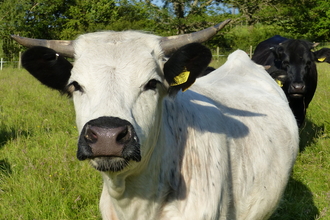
(223, 149)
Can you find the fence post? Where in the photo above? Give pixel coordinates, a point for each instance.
(19, 59)
(218, 53)
(250, 51)
(1, 63)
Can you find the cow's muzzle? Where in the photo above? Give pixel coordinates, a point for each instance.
(297, 90)
(111, 142)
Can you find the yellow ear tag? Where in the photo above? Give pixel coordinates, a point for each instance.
(279, 82)
(321, 59)
(181, 78)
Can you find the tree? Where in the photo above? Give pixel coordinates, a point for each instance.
(307, 19)
(94, 15)
(65, 19)
(182, 16)
(42, 19)
(320, 15)
(255, 11)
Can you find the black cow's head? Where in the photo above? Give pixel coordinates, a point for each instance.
(294, 57)
(292, 64)
(295, 60)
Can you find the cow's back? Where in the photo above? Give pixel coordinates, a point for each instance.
(257, 132)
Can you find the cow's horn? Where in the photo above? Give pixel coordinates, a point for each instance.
(172, 43)
(63, 47)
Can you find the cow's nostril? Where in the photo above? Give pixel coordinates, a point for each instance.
(124, 136)
(91, 135)
(297, 87)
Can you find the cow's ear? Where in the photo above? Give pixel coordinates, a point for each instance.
(185, 65)
(322, 55)
(46, 65)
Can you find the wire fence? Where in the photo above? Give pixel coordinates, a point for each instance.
(11, 64)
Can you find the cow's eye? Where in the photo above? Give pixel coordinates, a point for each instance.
(152, 84)
(285, 63)
(74, 86)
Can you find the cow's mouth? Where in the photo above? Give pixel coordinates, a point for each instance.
(110, 143)
(296, 95)
(297, 90)
(112, 164)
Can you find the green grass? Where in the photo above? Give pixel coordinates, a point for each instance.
(308, 193)
(40, 177)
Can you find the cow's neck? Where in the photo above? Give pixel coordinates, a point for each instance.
(152, 188)
(149, 177)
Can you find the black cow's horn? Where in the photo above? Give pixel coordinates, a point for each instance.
(172, 43)
(63, 47)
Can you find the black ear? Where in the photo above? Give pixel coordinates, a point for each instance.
(50, 68)
(185, 65)
(322, 55)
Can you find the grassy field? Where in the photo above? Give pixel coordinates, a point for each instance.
(40, 177)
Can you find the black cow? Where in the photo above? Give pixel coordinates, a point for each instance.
(292, 64)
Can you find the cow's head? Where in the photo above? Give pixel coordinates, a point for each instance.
(117, 82)
(297, 62)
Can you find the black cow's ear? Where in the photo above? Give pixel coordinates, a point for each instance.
(185, 65)
(46, 65)
(322, 55)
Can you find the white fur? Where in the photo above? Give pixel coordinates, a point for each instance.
(224, 149)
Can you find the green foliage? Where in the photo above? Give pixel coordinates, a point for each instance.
(86, 15)
(317, 22)
(43, 19)
(299, 19)
(65, 19)
(94, 15)
(243, 37)
(256, 21)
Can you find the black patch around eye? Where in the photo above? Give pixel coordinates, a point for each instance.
(151, 85)
(285, 64)
(74, 86)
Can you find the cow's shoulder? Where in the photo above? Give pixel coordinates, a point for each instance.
(264, 51)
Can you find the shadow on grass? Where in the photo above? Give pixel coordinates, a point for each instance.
(5, 168)
(309, 134)
(11, 134)
(297, 203)
(5, 136)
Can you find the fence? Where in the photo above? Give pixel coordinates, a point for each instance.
(225, 52)
(217, 54)
(15, 64)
